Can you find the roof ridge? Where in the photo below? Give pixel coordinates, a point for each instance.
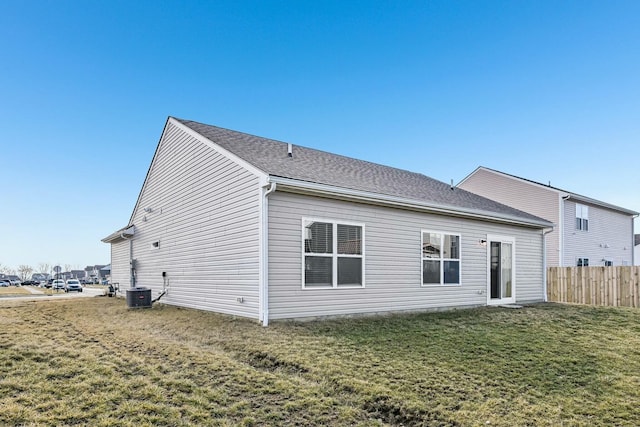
(184, 121)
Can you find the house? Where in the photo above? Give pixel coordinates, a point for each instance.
(40, 277)
(95, 272)
(588, 232)
(78, 274)
(636, 250)
(253, 227)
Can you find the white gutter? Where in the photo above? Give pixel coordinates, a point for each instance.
(400, 202)
(544, 262)
(633, 239)
(264, 286)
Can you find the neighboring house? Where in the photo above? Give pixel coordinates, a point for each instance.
(95, 272)
(248, 226)
(636, 250)
(40, 277)
(78, 274)
(588, 232)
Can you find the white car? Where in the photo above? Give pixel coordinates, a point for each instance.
(58, 284)
(73, 285)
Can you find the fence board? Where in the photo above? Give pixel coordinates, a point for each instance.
(614, 286)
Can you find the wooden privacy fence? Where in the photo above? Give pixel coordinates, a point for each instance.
(613, 286)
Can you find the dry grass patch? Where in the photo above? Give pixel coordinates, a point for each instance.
(13, 291)
(93, 362)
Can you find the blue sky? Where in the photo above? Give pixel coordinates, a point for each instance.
(546, 90)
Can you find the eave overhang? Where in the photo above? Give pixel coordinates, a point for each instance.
(332, 192)
(122, 234)
(588, 200)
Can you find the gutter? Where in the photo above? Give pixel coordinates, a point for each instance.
(633, 239)
(583, 199)
(312, 188)
(264, 286)
(125, 233)
(544, 262)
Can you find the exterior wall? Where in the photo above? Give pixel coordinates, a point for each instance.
(120, 271)
(606, 228)
(203, 210)
(525, 196)
(392, 260)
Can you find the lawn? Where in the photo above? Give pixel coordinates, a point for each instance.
(13, 291)
(94, 362)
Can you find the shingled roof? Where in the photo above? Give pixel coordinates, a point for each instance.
(320, 167)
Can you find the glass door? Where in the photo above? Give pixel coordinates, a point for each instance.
(501, 270)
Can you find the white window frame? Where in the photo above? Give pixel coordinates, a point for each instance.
(334, 255)
(441, 259)
(582, 214)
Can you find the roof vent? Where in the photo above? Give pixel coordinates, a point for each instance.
(289, 150)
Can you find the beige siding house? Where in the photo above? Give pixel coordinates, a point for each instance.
(587, 231)
(248, 226)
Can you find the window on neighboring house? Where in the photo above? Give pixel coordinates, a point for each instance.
(582, 217)
(583, 262)
(440, 258)
(333, 254)
(608, 263)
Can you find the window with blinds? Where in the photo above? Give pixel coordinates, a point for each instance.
(333, 254)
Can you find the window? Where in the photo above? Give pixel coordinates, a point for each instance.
(608, 263)
(440, 258)
(582, 217)
(583, 262)
(333, 255)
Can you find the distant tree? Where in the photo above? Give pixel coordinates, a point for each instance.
(44, 267)
(67, 267)
(25, 271)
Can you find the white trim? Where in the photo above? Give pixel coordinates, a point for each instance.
(226, 153)
(262, 176)
(577, 197)
(334, 255)
(501, 239)
(340, 193)
(442, 259)
(512, 177)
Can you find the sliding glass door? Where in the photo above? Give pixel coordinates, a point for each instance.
(501, 270)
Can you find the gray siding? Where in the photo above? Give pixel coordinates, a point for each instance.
(392, 260)
(120, 272)
(522, 195)
(205, 214)
(610, 236)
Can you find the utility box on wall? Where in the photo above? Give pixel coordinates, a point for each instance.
(139, 297)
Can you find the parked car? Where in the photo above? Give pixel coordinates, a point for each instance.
(73, 285)
(5, 283)
(15, 280)
(31, 283)
(58, 284)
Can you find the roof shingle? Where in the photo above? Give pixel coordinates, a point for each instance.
(315, 166)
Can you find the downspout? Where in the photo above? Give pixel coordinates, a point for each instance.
(633, 239)
(544, 262)
(132, 277)
(265, 255)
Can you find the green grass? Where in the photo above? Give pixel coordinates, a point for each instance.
(94, 362)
